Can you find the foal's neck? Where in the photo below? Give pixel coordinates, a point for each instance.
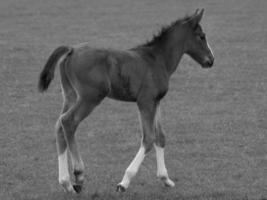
(172, 48)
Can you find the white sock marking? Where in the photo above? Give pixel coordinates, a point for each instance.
(161, 168)
(133, 168)
(63, 170)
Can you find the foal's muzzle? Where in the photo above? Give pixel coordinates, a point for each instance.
(208, 62)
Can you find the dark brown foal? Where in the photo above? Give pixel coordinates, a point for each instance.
(140, 75)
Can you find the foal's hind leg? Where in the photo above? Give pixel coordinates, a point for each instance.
(159, 147)
(63, 168)
(147, 115)
(69, 99)
(70, 121)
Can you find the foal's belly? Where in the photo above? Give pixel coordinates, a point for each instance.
(122, 91)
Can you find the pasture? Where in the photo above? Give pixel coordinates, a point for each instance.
(215, 119)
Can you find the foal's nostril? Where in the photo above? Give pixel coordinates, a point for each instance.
(209, 62)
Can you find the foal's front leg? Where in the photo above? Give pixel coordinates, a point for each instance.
(159, 147)
(161, 168)
(147, 116)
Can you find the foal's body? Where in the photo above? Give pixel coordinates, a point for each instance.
(139, 75)
(121, 75)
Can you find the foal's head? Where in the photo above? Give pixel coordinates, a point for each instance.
(196, 44)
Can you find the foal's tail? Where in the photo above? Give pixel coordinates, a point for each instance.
(47, 74)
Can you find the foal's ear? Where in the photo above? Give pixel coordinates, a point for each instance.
(196, 18)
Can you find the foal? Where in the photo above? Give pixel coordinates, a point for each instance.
(140, 75)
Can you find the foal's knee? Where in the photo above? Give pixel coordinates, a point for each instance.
(148, 143)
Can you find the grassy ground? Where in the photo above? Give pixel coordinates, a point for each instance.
(215, 119)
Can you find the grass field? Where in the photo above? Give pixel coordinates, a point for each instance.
(215, 120)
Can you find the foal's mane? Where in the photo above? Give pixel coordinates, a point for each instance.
(164, 32)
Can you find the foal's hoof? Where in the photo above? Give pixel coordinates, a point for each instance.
(66, 185)
(168, 182)
(77, 188)
(120, 188)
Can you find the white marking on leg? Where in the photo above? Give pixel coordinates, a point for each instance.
(133, 168)
(63, 171)
(161, 168)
